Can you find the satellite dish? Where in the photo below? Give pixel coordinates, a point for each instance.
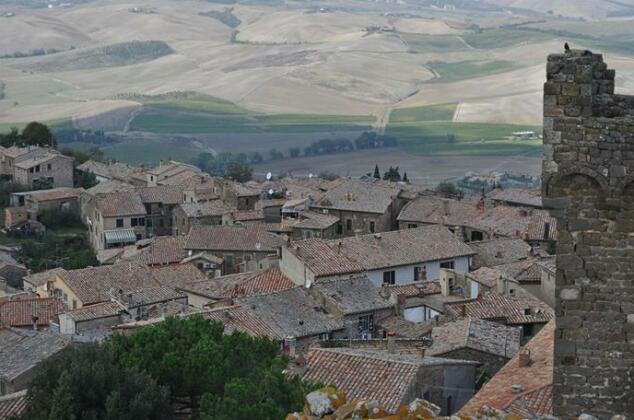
(269, 176)
(271, 191)
(310, 176)
(258, 246)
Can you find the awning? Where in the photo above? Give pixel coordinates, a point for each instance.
(120, 236)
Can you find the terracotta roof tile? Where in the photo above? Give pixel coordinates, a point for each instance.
(163, 250)
(359, 196)
(499, 251)
(93, 285)
(354, 295)
(20, 313)
(13, 405)
(99, 310)
(404, 328)
(362, 376)
(54, 194)
(518, 196)
(238, 318)
(120, 204)
(26, 349)
(166, 194)
(177, 275)
(476, 334)
(520, 308)
(498, 392)
(375, 251)
(251, 238)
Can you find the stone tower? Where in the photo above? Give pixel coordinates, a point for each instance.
(588, 183)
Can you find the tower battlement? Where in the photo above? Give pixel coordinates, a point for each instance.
(588, 183)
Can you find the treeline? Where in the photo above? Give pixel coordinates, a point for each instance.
(72, 135)
(179, 368)
(2, 86)
(34, 134)
(367, 140)
(233, 166)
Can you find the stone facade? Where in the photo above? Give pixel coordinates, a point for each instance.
(588, 183)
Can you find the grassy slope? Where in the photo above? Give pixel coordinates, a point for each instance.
(425, 130)
(462, 70)
(62, 123)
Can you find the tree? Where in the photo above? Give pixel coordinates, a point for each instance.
(10, 139)
(377, 173)
(449, 189)
(294, 152)
(392, 174)
(239, 173)
(275, 154)
(37, 134)
(405, 178)
(212, 374)
(85, 382)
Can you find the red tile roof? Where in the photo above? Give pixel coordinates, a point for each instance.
(20, 313)
(249, 238)
(519, 308)
(13, 405)
(534, 380)
(362, 376)
(237, 318)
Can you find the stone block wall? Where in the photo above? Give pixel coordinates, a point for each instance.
(588, 182)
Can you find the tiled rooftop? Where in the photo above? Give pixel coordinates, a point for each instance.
(499, 251)
(19, 354)
(20, 313)
(315, 220)
(238, 318)
(165, 194)
(291, 312)
(404, 328)
(163, 250)
(94, 284)
(375, 251)
(96, 311)
(519, 308)
(206, 209)
(517, 196)
(351, 296)
(359, 196)
(241, 284)
(53, 194)
(120, 204)
(477, 334)
(251, 238)
(13, 405)
(535, 380)
(178, 275)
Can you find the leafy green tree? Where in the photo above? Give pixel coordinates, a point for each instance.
(377, 173)
(37, 134)
(213, 375)
(275, 154)
(449, 189)
(405, 178)
(294, 152)
(85, 382)
(392, 174)
(10, 139)
(238, 172)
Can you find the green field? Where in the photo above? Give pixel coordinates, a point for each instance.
(175, 120)
(434, 43)
(146, 151)
(442, 112)
(461, 70)
(500, 38)
(449, 138)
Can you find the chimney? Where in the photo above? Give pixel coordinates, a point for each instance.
(290, 344)
(34, 321)
(391, 342)
(524, 358)
(446, 280)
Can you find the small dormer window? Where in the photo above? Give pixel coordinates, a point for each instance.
(527, 311)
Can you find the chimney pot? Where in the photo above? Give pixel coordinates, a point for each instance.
(524, 358)
(391, 342)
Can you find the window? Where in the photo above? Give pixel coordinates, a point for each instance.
(349, 224)
(141, 221)
(366, 323)
(119, 223)
(372, 227)
(527, 330)
(339, 229)
(420, 273)
(229, 264)
(412, 225)
(448, 264)
(389, 277)
(65, 297)
(149, 223)
(49, 167)
(30, 170)
(37, 168)
(74, 304)
(134, 221)
(161, 223)
(477, 236)
(324, 337)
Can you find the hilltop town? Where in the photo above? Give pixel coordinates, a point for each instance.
(388, 292)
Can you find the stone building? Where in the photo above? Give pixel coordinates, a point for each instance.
(36, 167)
(588, 183)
